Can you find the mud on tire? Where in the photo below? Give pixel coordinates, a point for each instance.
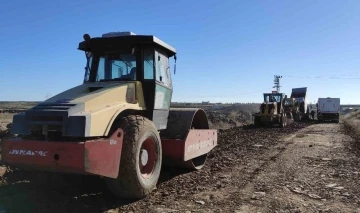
(141, 158)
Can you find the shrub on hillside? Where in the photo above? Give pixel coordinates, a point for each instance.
(352, 121)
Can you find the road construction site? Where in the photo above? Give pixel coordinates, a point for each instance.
(305, 167)
(116, 143)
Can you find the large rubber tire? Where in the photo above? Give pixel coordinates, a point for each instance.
(139, 134)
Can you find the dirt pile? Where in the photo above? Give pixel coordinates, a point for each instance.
(224, 120)
(231, 116)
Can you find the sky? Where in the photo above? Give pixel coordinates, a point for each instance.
(227, 51)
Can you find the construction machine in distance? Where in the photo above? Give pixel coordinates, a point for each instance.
(292, 106)
(300, 95)
(272, 111)
(328, 109)
(118, 123)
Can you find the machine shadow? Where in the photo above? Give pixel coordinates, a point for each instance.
(75, 193)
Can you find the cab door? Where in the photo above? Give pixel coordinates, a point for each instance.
(163, 90)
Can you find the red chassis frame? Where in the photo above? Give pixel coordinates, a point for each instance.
(96, 157)
(100, 157)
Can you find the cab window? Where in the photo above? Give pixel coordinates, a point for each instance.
(162, 69)
(148, 64)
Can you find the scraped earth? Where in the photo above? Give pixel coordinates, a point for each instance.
(305, 167)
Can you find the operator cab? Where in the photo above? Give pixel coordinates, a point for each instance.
(291, 102)
(273, 97)
(127, 57)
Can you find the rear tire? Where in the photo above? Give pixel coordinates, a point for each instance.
(141, 159)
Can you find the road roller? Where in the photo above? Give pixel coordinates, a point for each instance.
(117, 124)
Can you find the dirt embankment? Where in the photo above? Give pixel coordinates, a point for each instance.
(231, 116)
(225, 120)
(352, 122)
(220, 117)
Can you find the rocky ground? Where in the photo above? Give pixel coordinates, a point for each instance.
(306, 167)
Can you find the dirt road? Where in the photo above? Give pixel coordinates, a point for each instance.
(304, 168)
(313, 170)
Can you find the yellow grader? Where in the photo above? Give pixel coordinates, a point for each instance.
(272, 111)
(117, 124)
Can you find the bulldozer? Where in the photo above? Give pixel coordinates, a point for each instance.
(272, 111)
(117, 124)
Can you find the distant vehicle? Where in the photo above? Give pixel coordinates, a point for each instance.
(272, 111)
(328, 109)
(299, 94)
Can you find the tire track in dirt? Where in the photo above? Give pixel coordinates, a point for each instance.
(231, 197)
(293, 183)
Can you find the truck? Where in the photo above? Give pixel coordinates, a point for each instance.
(328, 109)
(300, 95)
(117, 124)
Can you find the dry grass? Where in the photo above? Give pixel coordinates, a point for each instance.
(352, 120)
(5, 118)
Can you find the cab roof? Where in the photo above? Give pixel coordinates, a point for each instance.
(127, 39)
(268, 93)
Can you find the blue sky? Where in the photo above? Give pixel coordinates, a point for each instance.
(228, 51)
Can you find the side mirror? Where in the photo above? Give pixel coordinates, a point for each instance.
(86, 37)
(175, 64)
(88, 55)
